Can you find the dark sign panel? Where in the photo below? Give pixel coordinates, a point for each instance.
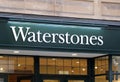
(43, 35)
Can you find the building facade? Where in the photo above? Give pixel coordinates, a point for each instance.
(59, 41)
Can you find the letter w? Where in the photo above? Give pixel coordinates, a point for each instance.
(20, 32)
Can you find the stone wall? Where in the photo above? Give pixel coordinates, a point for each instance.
(95, 9)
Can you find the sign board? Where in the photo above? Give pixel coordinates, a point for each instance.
(44, 35)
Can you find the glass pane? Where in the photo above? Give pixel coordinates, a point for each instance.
(51, 61)
(3, 68)
(12, 68)
(67, 70)
(76, 71)
(51, 81)
(75, 80)
(101, 65)
(16, 64)
(75, 63)
(101, 79)
(43, 61)
(67, 62)
(63, 66)
(29, 69)
(51, 69)
(116, 63)
(29, 61)
(59, 62)
(83, 63)
(21, 60)
(43, 69)
(13, 60)
(83, 71)
(59, 70)
(4, 60)
(22, 67)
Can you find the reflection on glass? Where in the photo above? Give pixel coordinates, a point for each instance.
(116, 64)
(116, 78)
(64, 66)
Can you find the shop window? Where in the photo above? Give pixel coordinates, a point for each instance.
(101, 65)
(116, 64)
(16, 64)
(65, 66)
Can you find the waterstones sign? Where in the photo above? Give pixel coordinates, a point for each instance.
(41, 35)
(27, 35)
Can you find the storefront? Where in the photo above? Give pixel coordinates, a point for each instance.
(53, 35)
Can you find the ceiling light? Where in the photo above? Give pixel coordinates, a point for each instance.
(96, 67)
(1, 56)
(19, 65)
(16, 52)
(1, 69)
(77, 62)
(72, 70)
(53, 59)
(83, 69)
(74, 54)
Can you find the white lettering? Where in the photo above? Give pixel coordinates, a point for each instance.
(39, 36)
(26, 34)
(54, 37)
(45, 37)
(20, 32)
(67, 38)
(32, 37)
(61, 37)
(100, 39)
(93, 40)
(84, 39)
(77, 39)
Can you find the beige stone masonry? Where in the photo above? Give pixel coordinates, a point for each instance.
(94, 9)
